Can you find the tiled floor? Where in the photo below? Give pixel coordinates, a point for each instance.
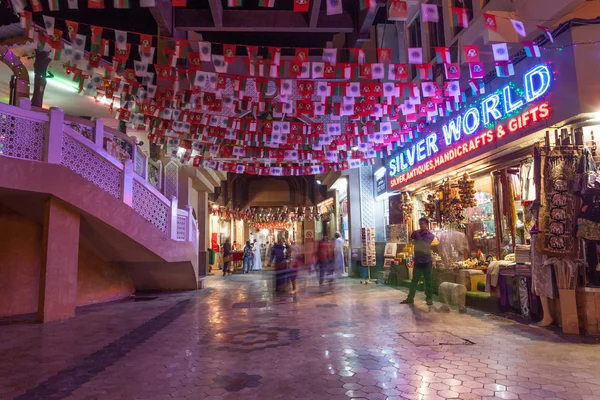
(233, 340)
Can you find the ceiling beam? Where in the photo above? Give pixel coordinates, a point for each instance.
(163, 15)
(261, 21)
(365, 21)
(211, 176)
(314, 13)
(216, 10)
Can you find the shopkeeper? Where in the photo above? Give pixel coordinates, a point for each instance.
(422, 240)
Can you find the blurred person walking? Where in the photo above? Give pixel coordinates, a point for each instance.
(338, 252)
(325, 258)
(279, 256)
(295, 263)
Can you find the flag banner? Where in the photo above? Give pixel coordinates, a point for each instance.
(235, 3)
(79, 43)
(442, 55)
(460, 17)
(229, 52)
(547, 32)
(219, 63)
(471, 53)
(330, 56)
(384, 55)
(425, 71)
(476, 70)
(98, 4)
(532, 49)
(478, 87)
(275, 55)
(452, 88)
(504, 69)
(452, 71)
(301, 5)
(125, 4)
(490, 22)
(415, 55)
(519, 27)
(120, 40)
(318, 70)
(72, 4)
(334, 7)
(204, 48)
(357, 56)
(266, 3)
(397, 72)
(301, 54)
(49, 24)
(500, 51)
(145, 43)
(429, 13)
(53, 5)
(36, 6)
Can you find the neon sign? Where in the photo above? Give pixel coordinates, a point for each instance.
(423, 156)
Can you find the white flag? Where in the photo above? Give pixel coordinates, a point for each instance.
(330, 56)
(334, 7)
(205, 51)
(519, 27)
(500, 51)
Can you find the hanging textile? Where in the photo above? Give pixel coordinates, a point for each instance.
(558, 203)
(527, 181)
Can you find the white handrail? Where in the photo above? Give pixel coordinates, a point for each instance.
(56, 127)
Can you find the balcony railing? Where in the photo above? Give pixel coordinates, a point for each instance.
(80, 145)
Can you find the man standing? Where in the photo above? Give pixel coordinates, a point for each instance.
(422, 239)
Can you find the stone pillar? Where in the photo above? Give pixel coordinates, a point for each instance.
(58, 280)
(203, 214)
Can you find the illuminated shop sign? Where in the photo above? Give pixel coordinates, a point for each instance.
(475, 128)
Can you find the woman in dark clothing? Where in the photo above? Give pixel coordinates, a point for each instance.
(278, 254)
(226, 257)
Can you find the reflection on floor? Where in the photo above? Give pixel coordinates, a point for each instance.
(235, 340)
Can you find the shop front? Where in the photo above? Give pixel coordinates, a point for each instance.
(500, 181)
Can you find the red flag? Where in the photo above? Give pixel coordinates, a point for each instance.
(229, 51)
(384, 55)
(95, 3)
(471, 53)
(301, 5)
(145, 43)
(301, 54)
(490, 22)
(179, 3)
(72, 29)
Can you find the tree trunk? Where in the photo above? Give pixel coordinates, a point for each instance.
(40, 66)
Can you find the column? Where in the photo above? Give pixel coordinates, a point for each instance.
(203, 214)
(58, 280)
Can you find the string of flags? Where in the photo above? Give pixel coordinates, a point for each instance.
(333, 6)
(264, 215)
(193, 113)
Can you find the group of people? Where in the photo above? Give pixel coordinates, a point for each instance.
(288, 258)
(251, 257)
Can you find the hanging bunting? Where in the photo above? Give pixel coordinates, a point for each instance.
(476, 70)
(415, 55)
(490, 22)
(460, 17)
(266, 3)
(301, 5)
(500, 51)
(471, 53)
(532, 49)
(442, 55)
(429, 13)
(95, 3)
(547, 32)
(519, 27)
(235, 3)
(334, 7)
(504, 69)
